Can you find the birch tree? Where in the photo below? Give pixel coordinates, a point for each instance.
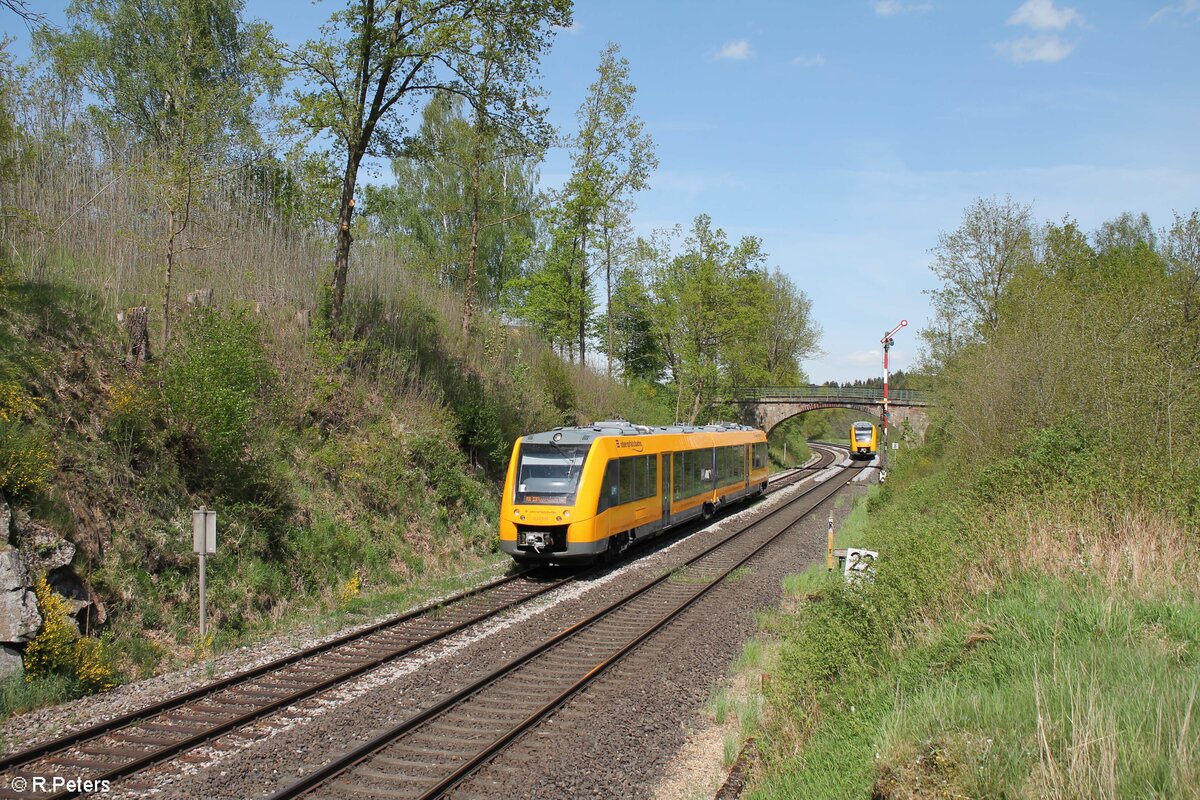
(374, 59)
(612, 158)
(179, 77)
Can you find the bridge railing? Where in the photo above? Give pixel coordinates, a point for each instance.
(830, 392)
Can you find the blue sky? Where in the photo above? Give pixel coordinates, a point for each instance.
(847, 135)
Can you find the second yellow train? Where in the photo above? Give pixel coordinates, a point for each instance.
(582, 494)
(864, 440)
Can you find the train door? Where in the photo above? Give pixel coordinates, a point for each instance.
(665, 471)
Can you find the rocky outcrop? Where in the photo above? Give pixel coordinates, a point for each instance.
(29, 549)
(5, 519)
(10, 662)
(42, 549)
(19, 617)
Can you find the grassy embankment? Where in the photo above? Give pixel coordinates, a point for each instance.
(1027, 634)
(1033, 628)
(350, 477)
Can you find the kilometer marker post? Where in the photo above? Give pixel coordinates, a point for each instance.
(829, 554)
(204, 543)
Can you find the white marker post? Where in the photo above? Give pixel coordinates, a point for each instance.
(204, 542)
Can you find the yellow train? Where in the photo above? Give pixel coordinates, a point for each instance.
(586, 493)
(864, 440)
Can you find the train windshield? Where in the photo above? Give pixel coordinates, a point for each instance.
(862, 433)
(549, 473)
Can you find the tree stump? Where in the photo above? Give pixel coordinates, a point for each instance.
(201, 298)
(137, 329)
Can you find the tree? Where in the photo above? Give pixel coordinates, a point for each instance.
(1182, 255)
(1125, 233)
(463, 199)
(1065, 250)
(700, 311)
(549, 297)
(780, 333)
(23, 12)
(611, 159)
(976, 262)
(629, 321)
(181, 77)
(375, 57)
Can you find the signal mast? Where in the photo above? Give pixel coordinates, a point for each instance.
(887, 341)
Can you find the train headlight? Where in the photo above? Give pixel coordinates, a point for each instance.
(557, 437)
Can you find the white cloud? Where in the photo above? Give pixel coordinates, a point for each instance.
(1042, 15)
(1185, 9)
(864, 358)
(809, 61)
(737, 50)
(1047, 49)
(890, 8)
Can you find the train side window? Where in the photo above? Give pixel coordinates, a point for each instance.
(651, 476)
(680, 478)
(609, 488)
(628, 480)
(760, 455)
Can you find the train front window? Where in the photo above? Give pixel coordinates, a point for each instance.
(548, 474)
(862, 434)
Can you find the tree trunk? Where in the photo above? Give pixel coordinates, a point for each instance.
(341, 264)
(473, 252)
(137, 328)
(583, 285)
(608, 298)
(166, 311)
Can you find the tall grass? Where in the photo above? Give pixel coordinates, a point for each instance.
(1042, 643)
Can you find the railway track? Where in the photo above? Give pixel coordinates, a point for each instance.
(432, 751)
(133, 742)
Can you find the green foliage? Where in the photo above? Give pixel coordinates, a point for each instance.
(181, 75)
(26, 456)
(787, 444)
(1064, 456)
(211, 382)
(1100, 340)
(457, 170)
(18, 695)
(26, 460)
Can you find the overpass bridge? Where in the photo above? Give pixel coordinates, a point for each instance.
(765, 407)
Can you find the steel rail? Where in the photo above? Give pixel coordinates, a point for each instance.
(345, 762)
(16, 762)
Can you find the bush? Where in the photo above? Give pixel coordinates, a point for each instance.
(52, 651)
(1064, 456)
(58, 651)
(26, 460)
(210, 384)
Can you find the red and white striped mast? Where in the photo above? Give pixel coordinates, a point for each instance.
(887, 341)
